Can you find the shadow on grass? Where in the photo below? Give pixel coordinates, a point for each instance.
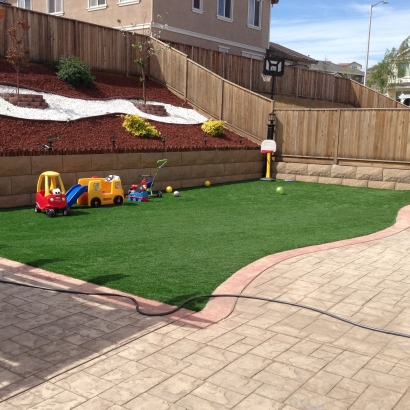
(196, 304)
(40, 263)
(106, 279)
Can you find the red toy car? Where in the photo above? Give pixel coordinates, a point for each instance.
(50, 196)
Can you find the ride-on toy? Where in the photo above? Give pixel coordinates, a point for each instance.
(50, 196)
(149, 184)
(101, 191)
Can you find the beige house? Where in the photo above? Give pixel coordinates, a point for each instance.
(239, 27)
(399, 87)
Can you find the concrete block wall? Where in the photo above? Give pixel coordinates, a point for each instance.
(381, 177)
(19, 175)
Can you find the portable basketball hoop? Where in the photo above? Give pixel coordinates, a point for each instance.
(268, 147)
(273, 67)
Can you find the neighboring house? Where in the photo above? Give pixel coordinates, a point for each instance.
(292, 58)
(399, 87)
(339, 70)
(239, 27)
(351, 65)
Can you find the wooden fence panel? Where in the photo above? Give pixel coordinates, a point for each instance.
(246, 111)
(309, 133)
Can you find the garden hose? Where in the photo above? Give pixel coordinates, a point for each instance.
(169, 312)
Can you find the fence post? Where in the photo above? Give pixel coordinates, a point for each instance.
(336, 146)
(297, 82)
(250, 75)
(222, 99)
(186, 78)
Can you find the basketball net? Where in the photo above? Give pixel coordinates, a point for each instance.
(266, 78)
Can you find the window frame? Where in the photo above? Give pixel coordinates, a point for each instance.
(24, 1)
(55, 2)
(196, 9)
(224, 17)
(251, 9)
(98, 6)
(121, 3)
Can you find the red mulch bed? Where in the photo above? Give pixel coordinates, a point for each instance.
(86, 134)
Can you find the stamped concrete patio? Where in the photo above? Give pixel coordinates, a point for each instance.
(61, 351)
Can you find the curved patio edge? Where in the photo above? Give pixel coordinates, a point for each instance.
(217, 308)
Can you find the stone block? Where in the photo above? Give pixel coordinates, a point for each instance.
(15, 166)
(133, 175)
(355, 182)
(46, 163)
(402, 187)
(326, 180)
(214, 170)
(24, 184)
(129, 160)
(12, 201)
(69, 179)
(381, 185)
(246, 168)
(258, 167)
(369, 173)
(307, 178)
(102, 162)
(199, 158)
(189, 183)
(180, 173)
(278, 167)
(396, 175)
(231, 169)
(285, 176)
(199, 171)
(297, 169)
(149, 159)
(339, 171)
(174, 159)
(5, 186)
(319, 170)
(76, 163)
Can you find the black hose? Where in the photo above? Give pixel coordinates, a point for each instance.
(169, 312)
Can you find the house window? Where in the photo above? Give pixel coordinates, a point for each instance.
(254, 13)
(55, 6)
(96, 3)
(25, 4)
(225, 9)
(197, 5)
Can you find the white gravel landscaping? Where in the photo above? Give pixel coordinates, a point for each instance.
(67, 109)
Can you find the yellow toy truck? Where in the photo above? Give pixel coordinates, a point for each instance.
(101, 191)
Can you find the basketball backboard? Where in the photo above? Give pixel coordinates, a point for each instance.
(273, 66)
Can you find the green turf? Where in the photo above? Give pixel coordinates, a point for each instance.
(173, 248)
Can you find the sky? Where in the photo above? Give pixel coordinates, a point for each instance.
(337, 31)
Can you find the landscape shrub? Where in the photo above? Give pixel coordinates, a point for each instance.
(72, 70)
(213, 127)
(138, 127)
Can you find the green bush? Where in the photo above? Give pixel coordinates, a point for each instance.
(213, 127)
(138, 127)
(72, 70)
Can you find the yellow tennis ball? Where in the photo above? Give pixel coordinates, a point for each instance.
(207, 183)
(169, 189)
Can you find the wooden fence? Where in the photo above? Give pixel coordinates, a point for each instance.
(297, 82)
(370, 135)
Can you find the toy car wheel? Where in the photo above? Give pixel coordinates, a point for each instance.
(67, 212)
(51, 213)
(118, 200)
(37, 209)
(95, 202)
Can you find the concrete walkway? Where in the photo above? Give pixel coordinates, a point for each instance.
(60, 351)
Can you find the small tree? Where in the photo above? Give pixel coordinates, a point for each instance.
(18, 55)
(382, 75)
(146, 50)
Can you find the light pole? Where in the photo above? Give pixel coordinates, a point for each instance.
(368, 38)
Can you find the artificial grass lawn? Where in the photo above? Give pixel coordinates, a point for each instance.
(172, 248)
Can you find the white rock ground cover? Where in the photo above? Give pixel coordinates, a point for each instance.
(67, 109)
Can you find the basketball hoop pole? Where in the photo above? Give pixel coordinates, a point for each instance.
(272, 92)
(271, 131)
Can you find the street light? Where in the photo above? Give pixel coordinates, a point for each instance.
(368, 38)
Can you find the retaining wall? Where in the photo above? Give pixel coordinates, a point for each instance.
(19, 175)
(377, 176)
